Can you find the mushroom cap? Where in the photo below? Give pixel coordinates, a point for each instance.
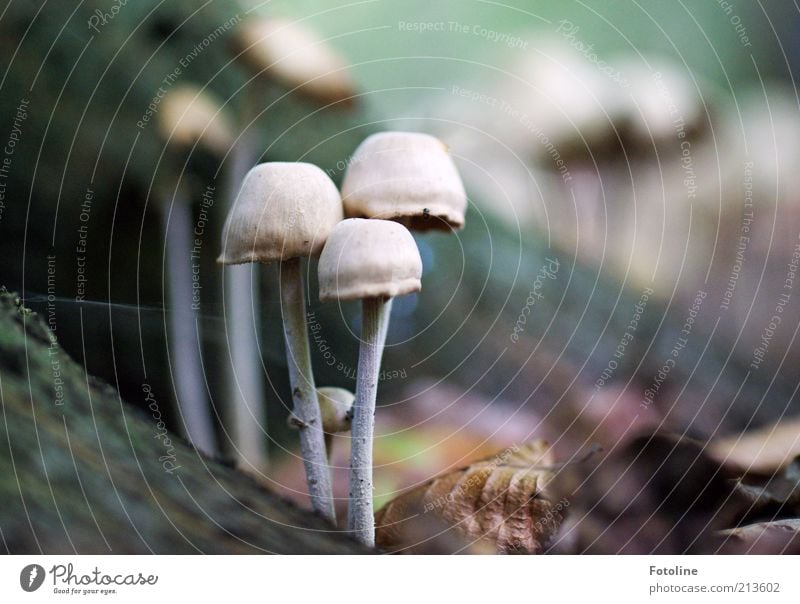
(405, 176)
(369, 259)
(189, 116)
(284, 210)
(560, 99)
(297, 57)
(336, 406)
(660, 93)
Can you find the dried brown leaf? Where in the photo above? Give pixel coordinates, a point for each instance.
(773, 537)
(502, 501)
(778, 495)
(751, 531)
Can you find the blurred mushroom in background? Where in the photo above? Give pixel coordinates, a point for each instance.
(284, 58)
(191, 122)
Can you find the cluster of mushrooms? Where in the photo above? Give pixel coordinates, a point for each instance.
(280, 57)
(284, 212)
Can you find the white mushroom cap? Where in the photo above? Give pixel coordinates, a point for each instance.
(297, 57)
(336, 406)
(661, 94)
(405, 176)
(336, 410)
(558, 98)
(284, 210)
(369, 259)
(188, 115)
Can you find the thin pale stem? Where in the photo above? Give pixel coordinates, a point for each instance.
(304, 394)
(360, 518)
(588, 193)
(384, 320)
(184, 345)
(245, 386)
(242, 316)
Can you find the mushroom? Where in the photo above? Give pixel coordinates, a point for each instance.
(336, 409)
(296, 57)
(273, 52)
(189, 120)
(372, 261)
(189, 116)
(284, 212)
(662, 99)
(408, 177)
(405, 176)
(652, 200)
(563, 112)
(336, 406)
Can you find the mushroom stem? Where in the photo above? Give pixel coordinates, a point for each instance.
(184, 344)
(244, 372)
(360, 517)
(384, 321)
(304, 394)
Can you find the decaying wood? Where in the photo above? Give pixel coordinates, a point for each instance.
(83, 472)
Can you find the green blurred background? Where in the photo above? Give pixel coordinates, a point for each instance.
(87, 90)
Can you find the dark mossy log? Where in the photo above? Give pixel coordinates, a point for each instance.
(82, 471)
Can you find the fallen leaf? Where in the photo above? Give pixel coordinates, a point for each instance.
(660, 493)
(762, 451)
(789, 525)
(774, 537)
(778, 495)
(500, 500)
